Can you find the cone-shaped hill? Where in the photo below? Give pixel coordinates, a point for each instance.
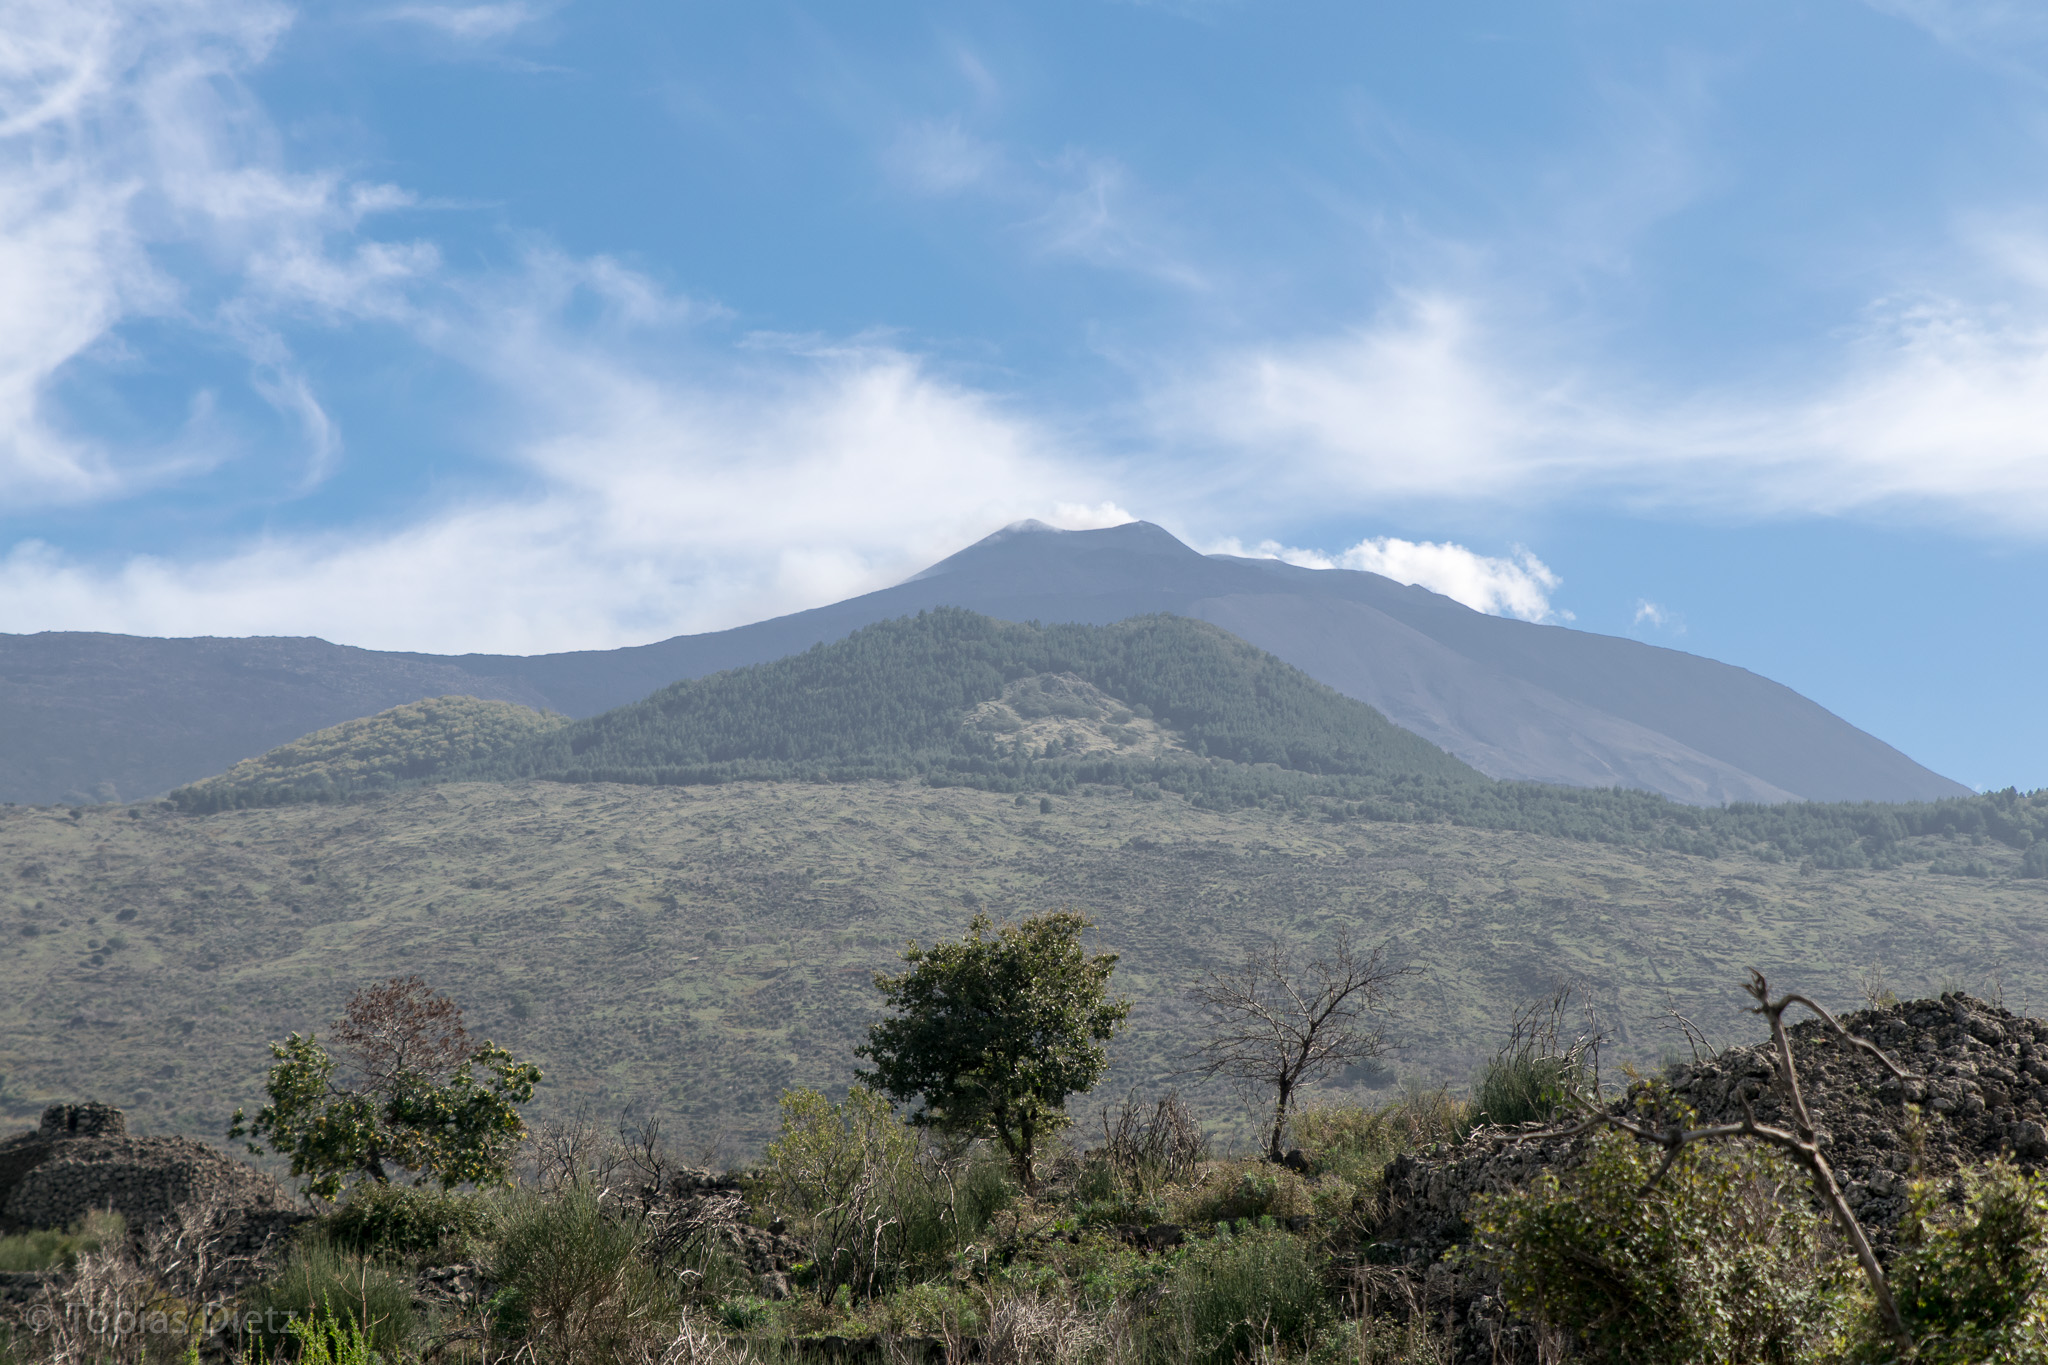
(377, 752)
(955, 697)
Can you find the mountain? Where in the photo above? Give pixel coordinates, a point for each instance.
(104, 717)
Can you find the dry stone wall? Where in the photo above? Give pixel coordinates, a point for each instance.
(81, 1158)
(1980, 1090)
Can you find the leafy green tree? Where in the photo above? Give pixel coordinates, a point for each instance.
(411, 1091)
(994, 1032)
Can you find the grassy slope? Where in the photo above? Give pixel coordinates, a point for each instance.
(693, 951)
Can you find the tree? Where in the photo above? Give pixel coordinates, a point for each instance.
(1276, 1021)
(411, 1091)
(994, 1032)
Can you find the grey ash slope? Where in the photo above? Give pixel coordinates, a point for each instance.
(1512, 699)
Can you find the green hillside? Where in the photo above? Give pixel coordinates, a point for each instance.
(372, 754)
(904, 698)
(1151, 706)
(693, 950)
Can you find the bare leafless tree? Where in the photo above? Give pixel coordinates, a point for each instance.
(1279, 1021)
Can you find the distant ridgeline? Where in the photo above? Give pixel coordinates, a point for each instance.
(1153, 704)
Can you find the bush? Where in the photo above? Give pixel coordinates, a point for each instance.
(930, 1310)
(1721, 1261)
(1235, 1296)
(321, 1284)
(1244, 1189)
(574, 1284)
(1355, 1143)
(407, 1221)
(43, 1250)
(1535, 1071)
(1969, 1274)
(874, 1203)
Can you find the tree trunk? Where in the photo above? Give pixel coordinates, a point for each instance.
(1286, 1088)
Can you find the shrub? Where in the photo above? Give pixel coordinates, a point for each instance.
(406, 1221)
(1235, 1296)
(1969, 1274)
(1722, 1260)
(872, 1200)
(43, 1250)
(574, 1285)
(931, 1310)
(332, 1343)
(1244, 1189)
(1535, 1070)
(1355, 1143)
(322, 1284)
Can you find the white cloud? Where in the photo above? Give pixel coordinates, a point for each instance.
(469, 23)
(1938, 411)
(128, 134)
(1075, 516)
(664, 499)
(940, 157)
(1518, 585)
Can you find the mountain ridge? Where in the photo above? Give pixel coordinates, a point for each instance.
(97, 717)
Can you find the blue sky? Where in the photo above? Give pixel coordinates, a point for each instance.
(532, 326)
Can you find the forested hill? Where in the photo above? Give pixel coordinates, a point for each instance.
(952, 696)
(1154, 705)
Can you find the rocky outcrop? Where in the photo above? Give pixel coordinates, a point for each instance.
(81, 1158)
(1979, 1090)
(708, 1209)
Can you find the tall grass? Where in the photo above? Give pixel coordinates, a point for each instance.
(321, 1283)
(1536, 1071)
(1235, 1297)
(576, 1286)
(47, 1250)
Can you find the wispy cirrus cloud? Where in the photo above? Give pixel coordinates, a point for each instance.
(468, 23)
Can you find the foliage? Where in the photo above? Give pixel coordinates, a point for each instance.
(1355, 1142)
(320, 1283)
(395, 1219)
(406, 1102)
(1237, 1294)
(44, 1249)
(892, 700)
(1535, 1070)
(994, 1032)
(333, 1343)
(870, 1199)
(1720, 1260)
(1970, 1272)
(371, 754)
(575, 1286)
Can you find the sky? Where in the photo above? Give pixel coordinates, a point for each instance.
(531, 326)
